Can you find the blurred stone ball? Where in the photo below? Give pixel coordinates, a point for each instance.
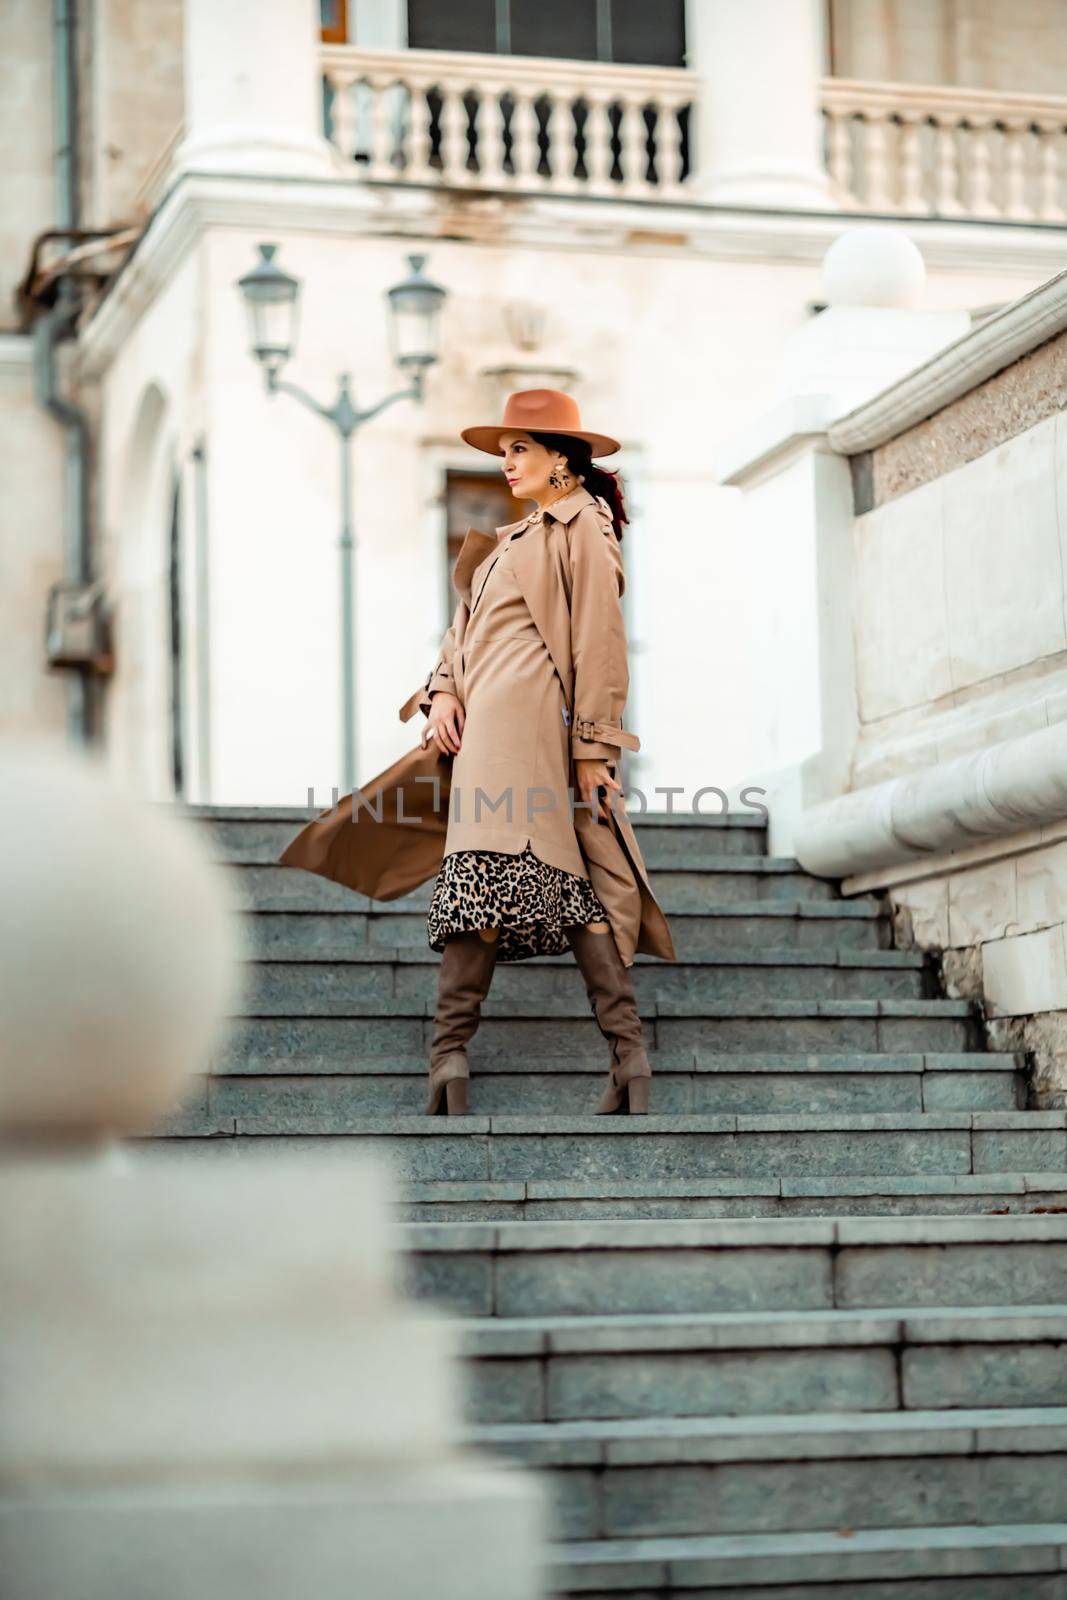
(874, 264)
(120, 954)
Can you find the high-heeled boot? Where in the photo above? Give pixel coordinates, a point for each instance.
(614, 1005)
(463, 980)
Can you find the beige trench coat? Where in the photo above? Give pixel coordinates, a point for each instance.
(392, 837)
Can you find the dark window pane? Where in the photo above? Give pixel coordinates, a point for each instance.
(455, 25)
(564, 28)
(648, 35)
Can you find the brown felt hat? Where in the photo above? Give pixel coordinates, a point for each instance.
(539, 411)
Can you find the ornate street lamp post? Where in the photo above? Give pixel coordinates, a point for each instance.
(272, 298)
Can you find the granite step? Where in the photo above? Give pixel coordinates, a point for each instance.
(331, 1021)
(257, 835)
(304, 977)
(572, 1369)
(805, 1472)
(707, 885)
(1007, 1561)
(552, 1269)
(861, 1195)
(686, 1083)
(482, 1149)
(823, 925)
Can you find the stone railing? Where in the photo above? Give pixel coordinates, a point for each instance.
(510, 122)
(927, 151)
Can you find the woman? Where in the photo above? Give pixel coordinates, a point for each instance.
(539, 615)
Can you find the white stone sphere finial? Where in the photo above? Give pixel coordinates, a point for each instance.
(874, 264)
(120, 954)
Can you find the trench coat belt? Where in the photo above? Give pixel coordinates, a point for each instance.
(605, 733)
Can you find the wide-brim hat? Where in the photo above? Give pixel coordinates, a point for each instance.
(539, 411)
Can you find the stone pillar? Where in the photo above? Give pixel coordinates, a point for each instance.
(759, 140)
(252, 94)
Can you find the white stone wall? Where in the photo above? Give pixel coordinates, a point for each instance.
(960, 607)
(151, 410)
(961, 629)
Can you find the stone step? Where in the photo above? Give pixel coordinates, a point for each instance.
(770, 880)
(823, 925)
(257, 836)
(808, 1472)
(685, 1084)
(866, 1194)
(341, 1023)
(571, 1369)
(717, 975)
(552, 1269)
(481, 1149)
(1007, 1561)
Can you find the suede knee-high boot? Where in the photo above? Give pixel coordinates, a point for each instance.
(463, 980)
(614, 1004)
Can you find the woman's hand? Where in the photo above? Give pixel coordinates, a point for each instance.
(446, 721)
(592, 774)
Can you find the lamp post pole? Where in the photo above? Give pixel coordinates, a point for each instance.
(271, 296)
(346, 419)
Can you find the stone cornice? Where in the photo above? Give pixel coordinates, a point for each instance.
(996, 792)
(960, 367)
(342, 207)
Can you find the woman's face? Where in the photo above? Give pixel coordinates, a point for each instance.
(527, 464)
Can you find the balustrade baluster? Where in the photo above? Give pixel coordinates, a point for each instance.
(633, 157)
(948, 199)
(489, 125)
(382, 131)
(1050, 208)
(876, 162)
(342, 112)
(1017, 146)
(417, 167)
(525, 154)
(454, 147)
(839, 149)
(669, 144)
(597, 142)
(559, 128)
(980, 201)
(912, 198)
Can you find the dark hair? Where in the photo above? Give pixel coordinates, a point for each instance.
(598, 480)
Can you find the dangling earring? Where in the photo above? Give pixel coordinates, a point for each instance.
(556, 480)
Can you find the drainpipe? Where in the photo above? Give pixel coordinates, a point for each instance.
(54, 325)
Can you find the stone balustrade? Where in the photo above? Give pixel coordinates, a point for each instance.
(481, 121)
(915, 150)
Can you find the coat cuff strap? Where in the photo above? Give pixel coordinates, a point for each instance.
(586, 731)
(419, 701)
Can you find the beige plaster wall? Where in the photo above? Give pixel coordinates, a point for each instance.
(27, 193)
(976, 44)
(136, 88)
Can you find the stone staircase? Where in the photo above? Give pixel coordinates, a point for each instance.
(802, 1332)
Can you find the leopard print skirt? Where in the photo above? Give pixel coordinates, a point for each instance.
(530, 901)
